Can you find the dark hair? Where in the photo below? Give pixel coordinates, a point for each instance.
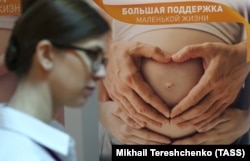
(59, 21)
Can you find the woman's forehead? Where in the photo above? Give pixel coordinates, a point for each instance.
(94, 42)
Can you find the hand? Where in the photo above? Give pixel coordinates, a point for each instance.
(225, 129)
(113, 120)
(225, 72)
(126, 87)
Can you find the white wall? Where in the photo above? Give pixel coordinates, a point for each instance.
(82, 125)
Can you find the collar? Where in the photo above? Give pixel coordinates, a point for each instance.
(36, 130)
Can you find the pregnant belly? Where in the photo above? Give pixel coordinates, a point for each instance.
(172, 81)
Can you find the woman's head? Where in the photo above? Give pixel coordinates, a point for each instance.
(61, 22)
(47, 42)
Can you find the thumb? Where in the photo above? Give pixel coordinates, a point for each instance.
(149, 51)
(187, 53)
(161, 56)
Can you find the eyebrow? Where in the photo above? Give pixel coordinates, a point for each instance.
(95, 50)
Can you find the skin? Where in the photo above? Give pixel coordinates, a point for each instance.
(126, 86)
(46, 80)
(124, 131)
(222, 63)
(9, 81)
(183, 75)
(216, 129)
(238, 51)
(172, 82)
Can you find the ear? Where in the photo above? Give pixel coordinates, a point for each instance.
(44, 54)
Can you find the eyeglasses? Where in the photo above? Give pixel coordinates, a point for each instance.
(95, 55)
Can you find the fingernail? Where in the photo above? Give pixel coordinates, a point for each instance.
(142, 124)
(200, 130)
(175, 56)
(182, 125)
(137, 126)
(168, 142)
(167, 116)
(159, 124)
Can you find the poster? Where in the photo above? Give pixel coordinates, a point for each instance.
(174, 27)
(9, 9)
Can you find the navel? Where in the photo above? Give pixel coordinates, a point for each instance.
(169, 85)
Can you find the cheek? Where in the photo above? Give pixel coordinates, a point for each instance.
(69, 78)
(73, 73)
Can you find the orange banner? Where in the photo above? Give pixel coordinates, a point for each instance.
(10, 7)
(175, 13)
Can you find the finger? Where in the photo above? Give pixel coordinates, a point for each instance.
(214, 113)
(141, 119)
(130, 143)
(145, 112)
(214, 109)
(128, 120)
(110, 89)
(194, 96)
(190, 52)
(150, 136)
(200, 121)
(140, 107)
(158, 108)
(148, 95)
(139, 141)
(102, 92)
(146, 120)
(149, 51)
(196, 111)
(211, 124)
(196, 139)
(122, 100)
(133, 136)
(208, 114)
(220, 110)
(199, 118)
(125, 105)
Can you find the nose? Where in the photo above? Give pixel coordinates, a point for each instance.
(100, 74)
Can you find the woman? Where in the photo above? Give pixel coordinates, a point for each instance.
(56, 50)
